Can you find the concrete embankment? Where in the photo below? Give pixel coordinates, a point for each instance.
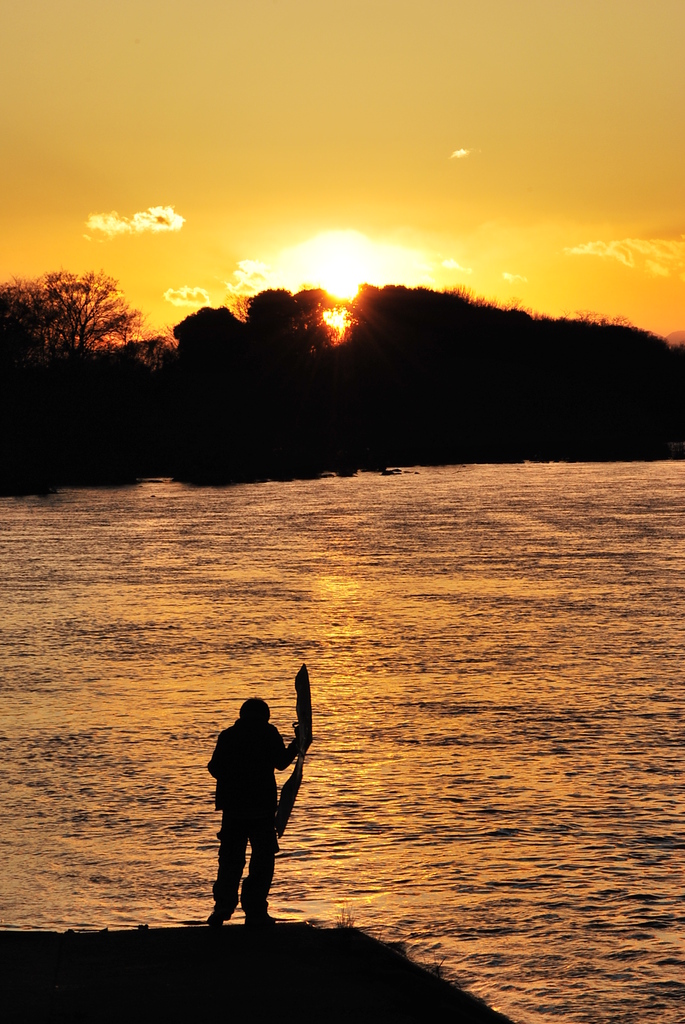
(289, 973)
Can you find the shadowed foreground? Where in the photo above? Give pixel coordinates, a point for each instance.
(290, 973)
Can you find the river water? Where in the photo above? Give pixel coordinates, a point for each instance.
(496, 656)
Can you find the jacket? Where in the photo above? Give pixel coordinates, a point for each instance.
(243, 765)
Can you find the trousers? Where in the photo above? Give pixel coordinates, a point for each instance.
(234, 836)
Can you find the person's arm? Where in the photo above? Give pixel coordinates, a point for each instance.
(283, 756)
(215, 764)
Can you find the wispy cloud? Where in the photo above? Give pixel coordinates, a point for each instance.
(656, 269)
(253, 276)
(187, 296)
(512, 278)
(656, 256)
(459, 154)
(606, 250)
(453, 265)
(153, 220)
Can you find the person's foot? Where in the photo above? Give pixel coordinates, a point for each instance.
(218, 916)
(259, 921)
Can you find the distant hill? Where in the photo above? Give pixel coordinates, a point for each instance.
(676, 338)
(304, 385)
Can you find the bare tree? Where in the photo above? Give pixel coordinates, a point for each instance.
(21, 337)
(68, 316)
(81, 314)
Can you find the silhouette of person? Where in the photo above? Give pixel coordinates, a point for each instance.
(243, 765)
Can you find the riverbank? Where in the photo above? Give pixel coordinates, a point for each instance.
(290, 973)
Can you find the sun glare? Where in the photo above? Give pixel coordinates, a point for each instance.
(341, 261)
(341, 265)
(337, 261)
(340, 276)
(338, 319)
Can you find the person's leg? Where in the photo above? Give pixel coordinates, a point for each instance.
(253, 899)
(233, 836)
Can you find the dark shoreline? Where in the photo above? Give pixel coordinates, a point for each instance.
(29, 487)
(293, 972)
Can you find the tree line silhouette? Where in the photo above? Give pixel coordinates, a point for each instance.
(417, 377)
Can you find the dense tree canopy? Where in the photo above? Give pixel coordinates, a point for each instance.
(298, 384)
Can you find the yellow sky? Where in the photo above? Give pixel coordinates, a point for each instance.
(286, 141)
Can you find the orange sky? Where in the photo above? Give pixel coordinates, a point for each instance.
(530, 149)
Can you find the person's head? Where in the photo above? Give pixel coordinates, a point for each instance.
(255, 711)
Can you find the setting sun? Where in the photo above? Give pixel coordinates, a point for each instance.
(341, 261)
(338, 261)
(341, 269)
